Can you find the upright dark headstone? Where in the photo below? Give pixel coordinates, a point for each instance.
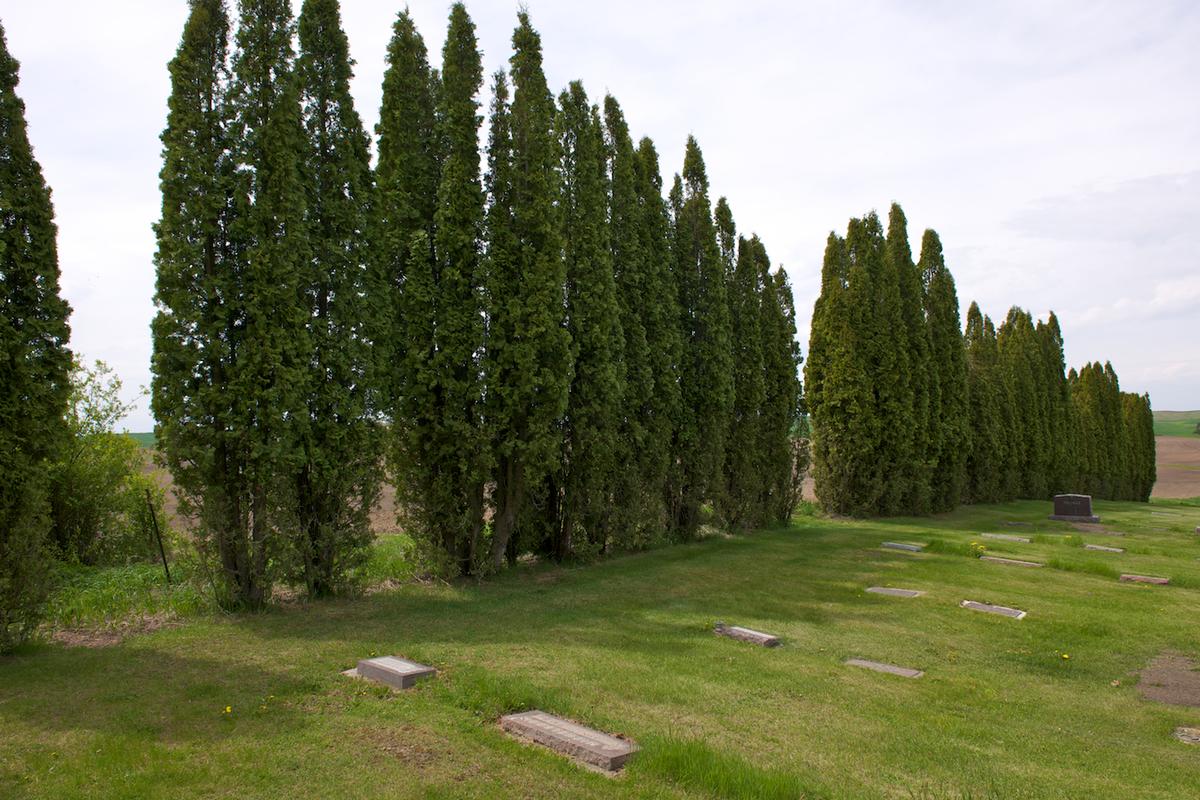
(1073, 508)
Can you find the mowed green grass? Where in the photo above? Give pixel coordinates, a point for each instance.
(627, 646)
(1176, 423)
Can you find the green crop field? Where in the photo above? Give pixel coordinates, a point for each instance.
(253, 706)
(1176, 423)
(144, 439)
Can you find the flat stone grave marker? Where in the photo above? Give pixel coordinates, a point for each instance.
(1015, 523)
(988, 608)
(890, 592)
(1073, 508)
(1188, 735)
(1005, 537)
(746, 635)
(399, 673)
(891, 669)
(1145, 579)
(1163, 514)
(590, 746)
(1104, 548)
(1012, 562)
(906, 546)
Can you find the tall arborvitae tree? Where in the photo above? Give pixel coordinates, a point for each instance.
(659, 308)
(706, 375)
(528, 363)
(269, 376)
(1137, 420)
(339, 480)
(34, 365)
(891, 366)
(915, 342)
(637, 503)
(742, 504)
(406, 182)
(1060, 447)
(199, 327)
(986, 457)
(460, 444)
(949, 429)
(783, 448)
(591, 447)
(727, 238)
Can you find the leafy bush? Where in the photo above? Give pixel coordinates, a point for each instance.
(97, 487)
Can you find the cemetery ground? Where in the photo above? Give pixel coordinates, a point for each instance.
(198, 704)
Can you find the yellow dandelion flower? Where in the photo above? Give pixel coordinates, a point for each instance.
(1065, 656)
(228, 709)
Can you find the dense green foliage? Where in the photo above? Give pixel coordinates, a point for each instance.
(34, 364)
(911, 415)
(98, 485)
(553, 359)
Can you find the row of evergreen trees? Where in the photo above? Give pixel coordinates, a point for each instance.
(911, 416)
(550, 357)
(35, 366)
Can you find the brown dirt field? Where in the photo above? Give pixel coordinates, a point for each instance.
(1171, 678)
(1178, 465)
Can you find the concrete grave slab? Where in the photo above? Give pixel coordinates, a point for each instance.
(988, 608)
(1015, 523)
(1005, 537)
(590, 746)
(1145, 579)
(1012, 562)
(1104, 548)
(890, 592)
(890, 669)
(1073, 508)
(746, 635)
(1188, 735)
(399, 673)
(906, 546)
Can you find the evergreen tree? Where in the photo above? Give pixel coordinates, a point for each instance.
(782, 454)
(987, 453)
(406, 182)
(591, 425)
(917, 467)
(199, 327)
(339, 480)
(659, 308)
(727, 239)
(949, 429)
(706, 374)
(745, 467)
(892, 367)
(637, 506)
(528, 362)
(269, 377)
(34, 365)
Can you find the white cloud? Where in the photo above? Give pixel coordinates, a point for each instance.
(1052, 145)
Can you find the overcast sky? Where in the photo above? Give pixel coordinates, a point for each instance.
(1055, 146)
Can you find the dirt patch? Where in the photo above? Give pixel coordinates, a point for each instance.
(1178, 465)
(1171, 678)
(401, 743)
(113, 634)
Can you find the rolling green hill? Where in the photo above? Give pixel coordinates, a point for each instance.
(1176, 423)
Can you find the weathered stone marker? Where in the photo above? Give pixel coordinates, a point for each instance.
(890, 592)
(906, 546)
(396, 672)
(1104, 548)
(1015, 523)
(1005, 537)
(1188, 735)
(1145, 579)
(1012, 562)
(569, 738)
(746, 635)
(1073, 508)
(891, 669)
(988, 608)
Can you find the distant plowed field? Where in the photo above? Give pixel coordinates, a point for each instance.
(1178, 466)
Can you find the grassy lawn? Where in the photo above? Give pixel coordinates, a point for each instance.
(626, 646)
(1176, 423)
